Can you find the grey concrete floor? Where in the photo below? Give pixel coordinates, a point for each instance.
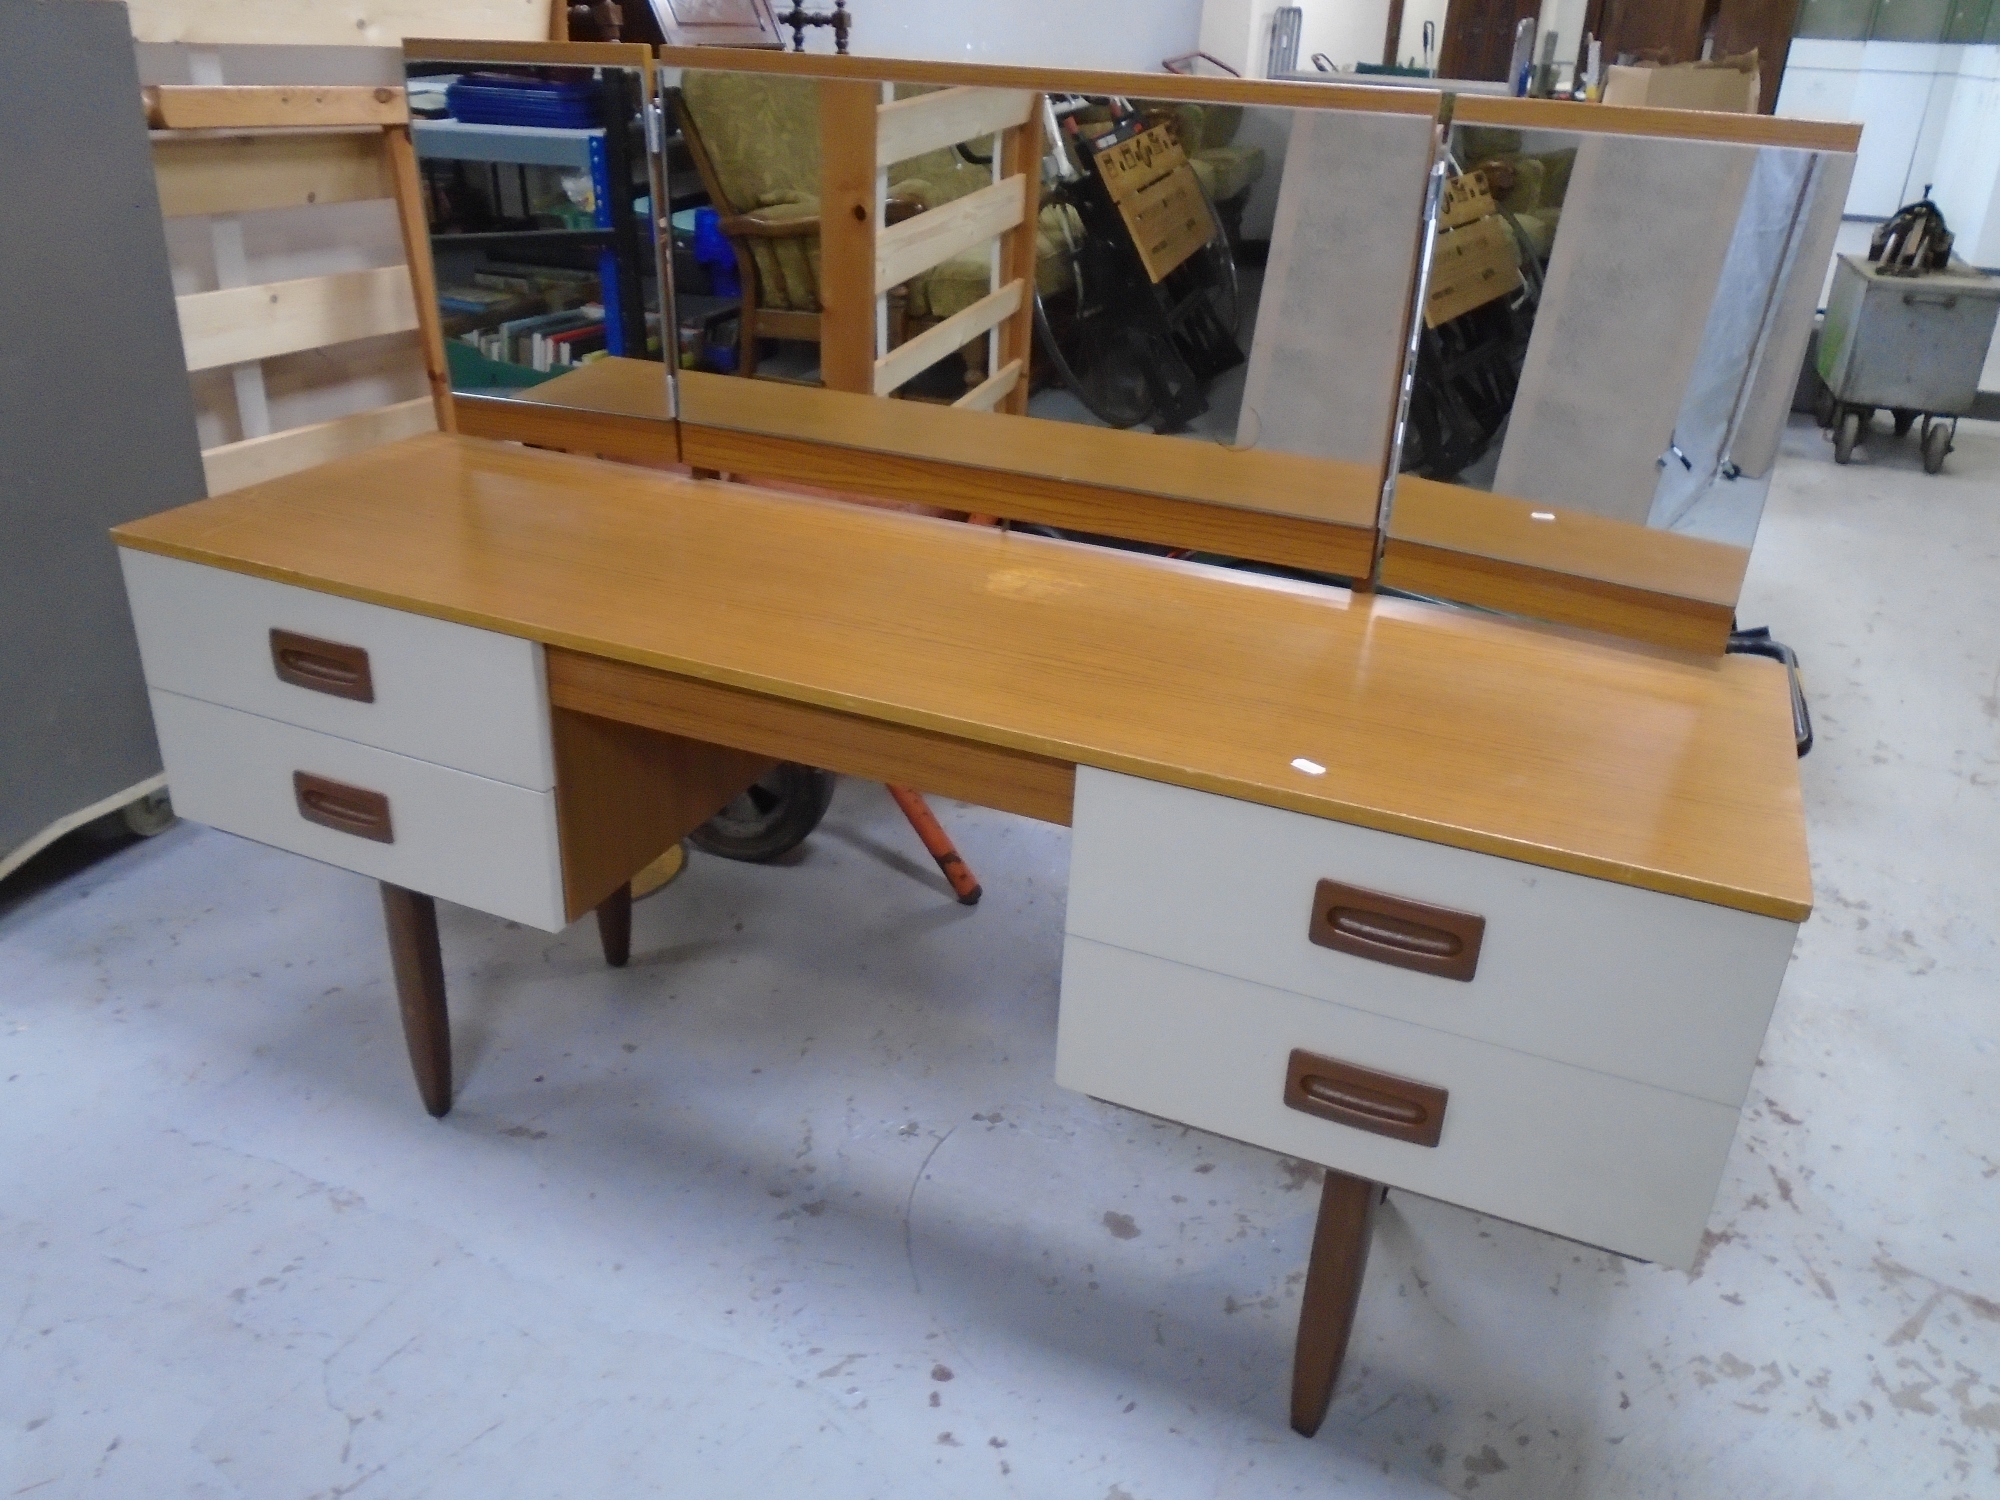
(791, 1206)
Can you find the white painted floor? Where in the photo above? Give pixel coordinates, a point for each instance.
(791, 1206)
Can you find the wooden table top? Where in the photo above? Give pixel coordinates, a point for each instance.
(1644, 768)
(629, 387)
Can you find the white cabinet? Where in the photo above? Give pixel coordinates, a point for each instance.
(1650, 987)
(405, 748)
(1592, 1055)
(470, 699)
(486, 844)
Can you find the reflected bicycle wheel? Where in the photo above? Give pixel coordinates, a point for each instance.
(1102, 361)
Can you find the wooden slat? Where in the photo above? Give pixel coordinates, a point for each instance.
(924, 122)
(1021, 156)
(940, 342)
(179, 106)
(991, 391)
(243, 174)
(989, 775)
(1560, 598)
(282, 317)
(233, 465)
(849, 235)
(1643, 767)
(915, 245)
(401, 154)
(361, 23)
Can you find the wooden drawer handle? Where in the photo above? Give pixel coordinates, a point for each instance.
(322, 666)
(1379, 1103)
(343, 808)
(1390, 930)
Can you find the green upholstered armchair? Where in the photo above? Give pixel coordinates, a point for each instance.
(755, 140)
(1529, 185)
(1225, 170)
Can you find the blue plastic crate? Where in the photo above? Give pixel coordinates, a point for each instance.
(504, 99)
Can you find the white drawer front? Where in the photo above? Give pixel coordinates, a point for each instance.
(1603, 1160)
(484, 844)
(1647, 986)
(470, 699)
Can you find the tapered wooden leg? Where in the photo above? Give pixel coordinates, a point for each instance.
(419, 966)
(614, 925)
(1333, 1288)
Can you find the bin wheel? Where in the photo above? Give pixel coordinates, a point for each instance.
(1905, 420)
(1826, 410)
(773, 817)
(1937, 443)
(153, 813)
(1846, 433)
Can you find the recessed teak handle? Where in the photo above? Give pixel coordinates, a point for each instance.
(343, 808)
(1394, 930)
(1379, 1103)
(322, 666)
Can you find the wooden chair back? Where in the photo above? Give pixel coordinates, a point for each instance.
(223, 152)
(717, 23)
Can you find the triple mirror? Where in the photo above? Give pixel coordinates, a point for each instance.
(1606, 359)
(1173, 311)
(538, 186)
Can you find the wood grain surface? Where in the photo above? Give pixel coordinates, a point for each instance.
(526, 417)
(853, 744)
(1192, 524)
(625, 387)
(1560, 598)
(1651, 769)
(1316, 489)
(1054, 80)
(1680, 124)
(1505, 528)
(180, 106)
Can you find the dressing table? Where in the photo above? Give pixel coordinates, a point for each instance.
(1487, 909)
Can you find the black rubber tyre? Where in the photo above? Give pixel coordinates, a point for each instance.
(1937, 443)
(773, 817)
(1846, 433)
(1905, 419)
(1098, 360)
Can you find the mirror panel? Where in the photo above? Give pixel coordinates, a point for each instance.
(538, 191)
(1054, 277)
(1612, 335)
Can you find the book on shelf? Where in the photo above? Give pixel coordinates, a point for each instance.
(573, 346)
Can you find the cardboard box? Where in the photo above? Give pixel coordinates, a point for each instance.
(1469, 268)
(1684, 86)
(1466, 197)
(1169, 221)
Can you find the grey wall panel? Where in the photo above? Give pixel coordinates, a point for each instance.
(1328, 351)
(1646, 226)
(96, 423)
